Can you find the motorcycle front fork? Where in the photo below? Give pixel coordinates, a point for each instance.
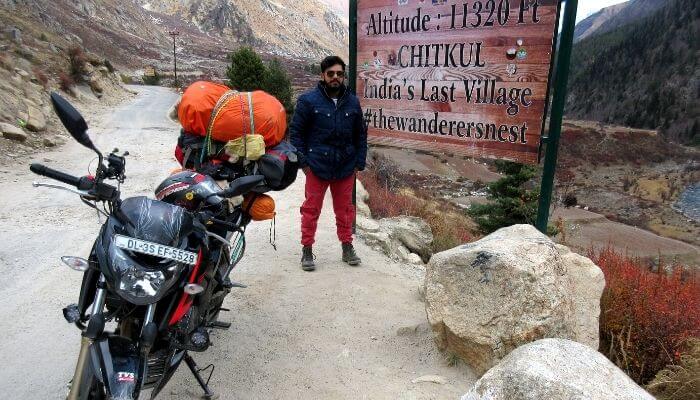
(89, 336)
(86, 342)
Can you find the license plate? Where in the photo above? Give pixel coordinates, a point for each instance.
(155, 249)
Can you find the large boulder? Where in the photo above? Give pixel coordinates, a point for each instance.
(515, 286)
(555, 369)
(412, 232)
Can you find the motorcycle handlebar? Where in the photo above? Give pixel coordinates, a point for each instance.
(53, 174)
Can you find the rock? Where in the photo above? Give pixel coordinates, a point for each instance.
(414, 259)
(515, 286)
(412, 232)
(73, 91)
(367, 225)
(48, 142)
(29, 103)
(378, 239)
(361, 192)
(556, 369)
(36, 121)
(430, 378)
(172, 112)
(22, 73)
(12, 132)
(15, 34)
(96, 85)
(363, 209)
(421, 328)
(88, 69)
(586, 279)
(401, 251)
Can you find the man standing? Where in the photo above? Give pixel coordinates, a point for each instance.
(329, 131)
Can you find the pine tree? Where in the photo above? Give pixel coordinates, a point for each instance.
(509, 201)
(278, 84)
(247, 71)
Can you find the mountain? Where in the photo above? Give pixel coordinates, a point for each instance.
(340, 7)
(303, 29)
(589, 25)
(643, 75)
(616, 16)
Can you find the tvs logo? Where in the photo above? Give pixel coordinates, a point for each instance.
(126, 377)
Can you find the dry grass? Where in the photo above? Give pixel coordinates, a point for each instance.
(680, 381)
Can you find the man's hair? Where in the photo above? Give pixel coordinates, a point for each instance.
(331, 61)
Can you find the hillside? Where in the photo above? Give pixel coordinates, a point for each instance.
(312, 29)
(642, 75)
(616, 16)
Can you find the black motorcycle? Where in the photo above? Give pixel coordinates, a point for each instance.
(158, 270)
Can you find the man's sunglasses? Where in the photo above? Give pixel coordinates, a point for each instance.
(339, 74)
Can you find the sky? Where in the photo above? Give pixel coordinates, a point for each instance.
(588, 7)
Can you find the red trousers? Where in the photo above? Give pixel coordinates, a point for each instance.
(341, 192)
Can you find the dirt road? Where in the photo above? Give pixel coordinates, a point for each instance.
(337, 333)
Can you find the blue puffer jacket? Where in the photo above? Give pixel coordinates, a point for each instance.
(332, 139)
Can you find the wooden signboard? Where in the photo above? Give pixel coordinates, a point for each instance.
(149, 71)
(467, 77)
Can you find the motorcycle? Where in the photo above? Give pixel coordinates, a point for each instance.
(158, 270)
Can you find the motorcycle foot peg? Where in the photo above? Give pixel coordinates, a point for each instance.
(71, 313)
(220, 325)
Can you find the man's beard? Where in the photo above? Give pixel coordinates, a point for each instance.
(333, 87)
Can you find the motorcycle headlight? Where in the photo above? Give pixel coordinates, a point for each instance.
(139, 284)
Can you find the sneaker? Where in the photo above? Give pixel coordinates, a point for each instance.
(349, 255)
(307, 259)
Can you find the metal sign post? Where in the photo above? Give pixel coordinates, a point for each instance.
(559, 100)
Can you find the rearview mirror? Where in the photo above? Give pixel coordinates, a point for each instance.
(243, 185)
(72, 120)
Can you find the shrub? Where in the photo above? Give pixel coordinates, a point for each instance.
(152, 80)
(41, 77)
(509, 201)
(278, 84)
(126, 79)
(77, 59)
(681, 381)
(247, 71)
(646, 317)
(570, 200)
(65, 81)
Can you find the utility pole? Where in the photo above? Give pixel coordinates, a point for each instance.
(174, 34)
